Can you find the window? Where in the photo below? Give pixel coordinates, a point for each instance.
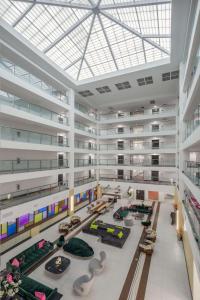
(120, 145)
(155, 127)
(120, 114)
(155, 110)
(120, 174)
(60, 179)
(155, 175)
(120, 129)
(60, 140)
(60, 160)
(120, 159)
(155, 144)
(155, 160)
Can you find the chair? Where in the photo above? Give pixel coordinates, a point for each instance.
(147, 249)
(96, 266)
(83, 285)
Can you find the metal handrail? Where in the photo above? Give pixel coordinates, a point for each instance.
(112, 178)
(35, 192)
(146, 112)
(33, 80)
(33, 109)
(113, 162)
(15, 166)
(84, 162)
(84, 145)
(84, 180)
(26, 136)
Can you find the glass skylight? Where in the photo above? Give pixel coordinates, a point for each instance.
(88, 38)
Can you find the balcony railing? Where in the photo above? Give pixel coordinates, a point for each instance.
(85, 128)
(21, 196)
(84, 145)
(33, 80)
(138, 146)
(85, 111)
(107, 177)
(33, 109)
(18, 166)
(114, 131)
(25, 136)
(194, 219)
(85, 162)
(134, 115)
(113, 162)
(83, 180)
(192, 171)
(193, 124)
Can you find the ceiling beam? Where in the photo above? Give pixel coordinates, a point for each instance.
(130, 4)
(86, 45)
(58, 3)
(24, 14)
(73, 63)
(72, 28)
(133, 31)
(107, 40)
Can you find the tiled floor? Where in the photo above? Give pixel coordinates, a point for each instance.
(168, 278)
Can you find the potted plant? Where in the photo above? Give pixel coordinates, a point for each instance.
(9, 285)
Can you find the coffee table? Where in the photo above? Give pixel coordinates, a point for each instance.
(57, 265)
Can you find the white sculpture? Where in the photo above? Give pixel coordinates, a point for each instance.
(96, 266)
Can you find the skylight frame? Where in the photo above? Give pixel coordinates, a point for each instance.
(147, 21)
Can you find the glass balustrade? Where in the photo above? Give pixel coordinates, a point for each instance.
(192, 124)
(21, 196)
(192, 171)
(115, 131)
(33, 80)
(135, 115)
(113, 177)
(138, 146)
(33, 109)
(85, 111)
(85, 162)
(84, 145)
(85, 128)
(25, 136)
(83, 180)
(192, 209)
(143, 163)
(15, 166)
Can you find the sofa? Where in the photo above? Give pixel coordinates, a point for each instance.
(25, 260)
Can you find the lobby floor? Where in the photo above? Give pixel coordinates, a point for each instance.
(167, 278)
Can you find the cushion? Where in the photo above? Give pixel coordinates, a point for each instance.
(9, 278)
(40, 295)
(78, 247)
(94, 226)
(41, 244)
(15, 262)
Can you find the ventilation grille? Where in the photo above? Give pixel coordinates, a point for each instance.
(145, 80)
(123, 85)
(170, 75)
(86, 93)
(103, 89)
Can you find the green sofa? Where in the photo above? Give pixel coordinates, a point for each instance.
(29, 257)
(29, 286)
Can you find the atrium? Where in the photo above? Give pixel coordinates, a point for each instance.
(99, 149)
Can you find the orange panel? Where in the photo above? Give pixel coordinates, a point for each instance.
(153, 195)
